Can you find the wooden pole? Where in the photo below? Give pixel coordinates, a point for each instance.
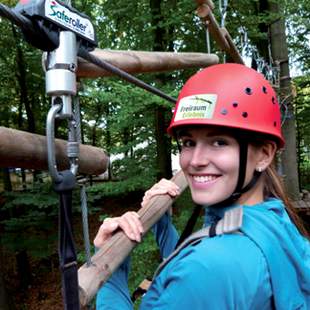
(115, 251)
(142, 62)
(26, 150)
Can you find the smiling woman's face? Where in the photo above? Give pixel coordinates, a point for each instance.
(210, 161)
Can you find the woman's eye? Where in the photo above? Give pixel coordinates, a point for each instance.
(187, 143)
(220, 142)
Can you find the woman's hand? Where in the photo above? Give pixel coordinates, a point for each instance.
(163, 187)
(129, 222)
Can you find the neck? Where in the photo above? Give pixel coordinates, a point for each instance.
(254, 196)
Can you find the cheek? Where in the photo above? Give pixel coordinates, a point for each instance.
(253, 159)
(183, 160)
(228, 162)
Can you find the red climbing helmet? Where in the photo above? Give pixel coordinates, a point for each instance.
(230, 95)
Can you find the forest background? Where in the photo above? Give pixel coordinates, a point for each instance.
(130, 125)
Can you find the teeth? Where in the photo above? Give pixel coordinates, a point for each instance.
(202, 179)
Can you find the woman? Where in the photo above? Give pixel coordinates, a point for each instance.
(253, 253)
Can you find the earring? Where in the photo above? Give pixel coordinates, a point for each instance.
(259, 169)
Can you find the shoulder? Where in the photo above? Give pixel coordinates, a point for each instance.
(230, 268)
(232, 256)
(223, 253)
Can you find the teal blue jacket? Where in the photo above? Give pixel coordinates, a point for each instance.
(267, 266)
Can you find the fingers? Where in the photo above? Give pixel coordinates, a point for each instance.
(163, 187)
(131, 225)
(105, 231)
(129, 222)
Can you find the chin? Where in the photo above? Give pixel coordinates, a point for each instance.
(207, 199)
(200, 200)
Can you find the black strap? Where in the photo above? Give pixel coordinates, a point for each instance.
(67, 253)
(190, 224)
(212, 231)
(243, 158)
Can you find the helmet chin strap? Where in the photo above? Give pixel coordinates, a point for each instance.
(239, 190)
(237, 193)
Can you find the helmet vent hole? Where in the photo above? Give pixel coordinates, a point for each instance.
(245, 114)
(273, 100)
(275, 124)
(224, 111)
(235, 104)
(264, 90)
(248, 91)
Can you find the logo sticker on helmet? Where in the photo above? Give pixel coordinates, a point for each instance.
(196, 106)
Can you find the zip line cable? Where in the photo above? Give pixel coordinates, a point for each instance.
(28, 27)
(18, 19)
(124, 75)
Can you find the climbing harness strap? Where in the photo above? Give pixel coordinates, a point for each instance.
(188, 230)
(67, 253)
(229, 224)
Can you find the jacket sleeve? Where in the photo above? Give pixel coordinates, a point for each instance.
(114, 294)
(166, 235)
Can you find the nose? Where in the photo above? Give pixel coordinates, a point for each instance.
(199, 156)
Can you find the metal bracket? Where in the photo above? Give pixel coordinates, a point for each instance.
(61, 85)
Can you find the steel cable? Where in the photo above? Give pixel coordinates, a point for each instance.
(83, 196)
(16, 18)
(124, 75)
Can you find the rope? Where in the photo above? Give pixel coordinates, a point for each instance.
(223, 10)
(85, 224)
(208, 40)
(83, 196)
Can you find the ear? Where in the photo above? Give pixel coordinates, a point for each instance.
(266, 155)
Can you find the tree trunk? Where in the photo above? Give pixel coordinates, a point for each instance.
(279, 52)
(23, 175)
(7, 184)
(5, 302)
(163, 143)
(23, 269)
(21, 78)
(108, 139)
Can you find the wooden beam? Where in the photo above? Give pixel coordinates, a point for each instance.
(115, 251)
(26, 150)
(143, 62)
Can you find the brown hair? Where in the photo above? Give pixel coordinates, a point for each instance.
(274, 187)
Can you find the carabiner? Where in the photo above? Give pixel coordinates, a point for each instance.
(50, 136)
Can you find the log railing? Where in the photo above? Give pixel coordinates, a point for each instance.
(26, 150)
(145, 62)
